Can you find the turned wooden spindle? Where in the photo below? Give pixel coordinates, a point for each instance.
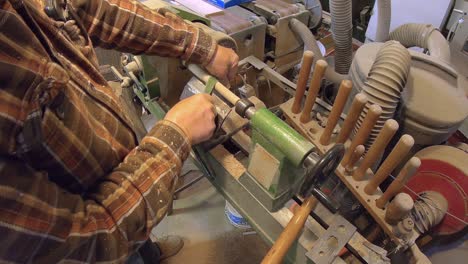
(314, 87)
(363, 133)
(357, 154)
(385, 135)
(398, 153)
(307, 60)
(290, 233)
(418, 256)
(358, 104)
(397, 185)
(337, 109)
(398, 208)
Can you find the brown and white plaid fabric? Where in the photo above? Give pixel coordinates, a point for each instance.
(75, 186)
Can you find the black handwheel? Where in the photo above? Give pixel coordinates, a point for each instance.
(322, 169)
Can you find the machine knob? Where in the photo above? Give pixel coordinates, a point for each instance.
(317, 170)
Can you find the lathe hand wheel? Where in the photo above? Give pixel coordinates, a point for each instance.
(322, 169)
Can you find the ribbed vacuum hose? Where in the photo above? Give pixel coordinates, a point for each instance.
(384, 84)
(310, 43)
(384, 8)
(342, 29)
(424, 36)
(428, 211)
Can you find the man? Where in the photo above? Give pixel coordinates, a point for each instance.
(75, 186)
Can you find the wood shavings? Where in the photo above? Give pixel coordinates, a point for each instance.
(228, 161)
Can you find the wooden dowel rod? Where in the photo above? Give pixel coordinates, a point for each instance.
(375, 151)
(307, 60)
(357, 154)
(290, 233)
(358, 104)
(337, 109)
(314, 87)
(219, 87)
(363, 132)
(398, 153)
(397, 185)
(418, 256)
(398, 208)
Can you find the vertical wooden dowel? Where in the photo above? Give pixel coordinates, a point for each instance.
(337, 109)
(397, 185)
(363, 133)
(307, 60)
(385, 135)
(398, 208)
(357, 154)
(314, 87)
(398, 153)
(358, 104)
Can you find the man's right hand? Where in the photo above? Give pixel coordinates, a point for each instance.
(224, 64)
(196, 116)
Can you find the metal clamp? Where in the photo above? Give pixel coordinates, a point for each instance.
(242, 106)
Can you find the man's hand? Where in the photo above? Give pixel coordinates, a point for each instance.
(195, 115)
(224, 64)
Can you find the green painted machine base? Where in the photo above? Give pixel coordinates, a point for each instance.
(265, 198)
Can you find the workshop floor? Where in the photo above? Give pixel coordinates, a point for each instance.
(199, 218)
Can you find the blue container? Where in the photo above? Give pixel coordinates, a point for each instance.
(228, 3)
(235, 218)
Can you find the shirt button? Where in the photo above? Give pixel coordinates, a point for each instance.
(60, 112)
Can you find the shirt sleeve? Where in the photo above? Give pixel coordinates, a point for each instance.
(129, 26)
(42, 223)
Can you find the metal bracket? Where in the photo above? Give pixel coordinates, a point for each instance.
(328, 246)
(369, 252)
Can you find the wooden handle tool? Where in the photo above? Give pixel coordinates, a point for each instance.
(358, 104)
(290, 233)
(337, 109)
(363, 132)
(398, 208)
(418, 256)
(397, 185)
(398, 153)
(307, 60)
(385, 135)
(314, 87)
(357, 154)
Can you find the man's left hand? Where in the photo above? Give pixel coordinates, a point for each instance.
(224, 64)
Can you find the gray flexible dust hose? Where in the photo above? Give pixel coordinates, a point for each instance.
(342, 30)
(424, 36)
(384, 84)
(310, 43)
(384, 11)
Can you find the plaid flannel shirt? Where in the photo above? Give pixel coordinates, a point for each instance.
(75, 186)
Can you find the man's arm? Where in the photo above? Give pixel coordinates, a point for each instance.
(130, 26)
(42, 223)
